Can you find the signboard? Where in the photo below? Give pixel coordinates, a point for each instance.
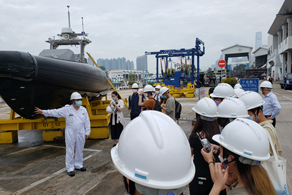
(250, 84)
(202, 92)
(222, 63)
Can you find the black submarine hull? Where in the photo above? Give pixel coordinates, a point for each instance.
(28, 81)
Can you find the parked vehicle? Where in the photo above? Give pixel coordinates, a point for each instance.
(287, 82)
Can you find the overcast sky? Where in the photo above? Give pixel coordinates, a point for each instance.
(128, 28)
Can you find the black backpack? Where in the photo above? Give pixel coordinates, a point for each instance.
(157, 106)
(177, 110)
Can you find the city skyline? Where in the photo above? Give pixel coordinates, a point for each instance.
(116, 63)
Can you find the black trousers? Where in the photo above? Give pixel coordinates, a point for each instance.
(134, 115)
(274, 120)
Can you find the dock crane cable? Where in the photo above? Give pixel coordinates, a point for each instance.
(125, 102)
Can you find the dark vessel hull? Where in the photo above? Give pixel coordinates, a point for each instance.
(32, 81)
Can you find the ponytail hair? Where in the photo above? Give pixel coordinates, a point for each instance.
(116, 93)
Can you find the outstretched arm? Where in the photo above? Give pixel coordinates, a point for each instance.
(59, 113)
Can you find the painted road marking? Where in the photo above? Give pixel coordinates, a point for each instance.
(47, 178)
(4, 107)
(276, 93)
(287, 98)
(85, 149)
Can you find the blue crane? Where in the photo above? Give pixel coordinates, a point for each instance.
(165, 54)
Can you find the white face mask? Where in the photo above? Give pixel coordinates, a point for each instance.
(135, 90)
(146, 94)
(157, 92)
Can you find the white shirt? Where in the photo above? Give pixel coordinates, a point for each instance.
(77, 121)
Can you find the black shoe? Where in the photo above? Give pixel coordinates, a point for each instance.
(81, 169)
(71, 173)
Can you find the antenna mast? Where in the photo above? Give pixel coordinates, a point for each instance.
(69, 16)
(83, 32)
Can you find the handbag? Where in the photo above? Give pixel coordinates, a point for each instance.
(276, 169)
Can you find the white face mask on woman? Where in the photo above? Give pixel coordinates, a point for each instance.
(135, 90)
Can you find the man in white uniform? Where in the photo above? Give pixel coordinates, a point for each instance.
(76, 132)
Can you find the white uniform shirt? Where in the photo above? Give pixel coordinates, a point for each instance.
(77, 121)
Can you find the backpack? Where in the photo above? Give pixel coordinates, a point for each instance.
(157, 106)
(177, 110)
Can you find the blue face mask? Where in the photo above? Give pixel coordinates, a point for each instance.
(162, 96)
(79, 103)
(250, 118)
(114, 98)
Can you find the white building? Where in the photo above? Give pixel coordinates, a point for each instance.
(279, 58)
(117, 76)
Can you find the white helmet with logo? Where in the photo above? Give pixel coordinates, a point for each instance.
(238, 92)
(232, 108)
(153, 151)
(266, 84)
(237, 86)
(206, 107)
(75, 96)
(135, 86)
(158, 87)
(251, 99)
(222, 90)
(247, 139)
(148, 88)
(163, 90)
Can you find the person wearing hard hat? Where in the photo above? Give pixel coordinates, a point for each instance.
(221, 91)
(117, 121)
(245, 145)
(76, 132)
(237, 86)
(134, 108)
(254, 104)
(238, 92)
(153, 152)
(230, 109)
(150, 103)
(205, 127)
(169, 107)
(157, 93)
(271, 107)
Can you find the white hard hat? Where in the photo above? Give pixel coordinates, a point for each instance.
(245, 138)
(135, 85)
(158, 87)
(75, 96)
(148, 88)
(153, 151)
(251, 99)
(266, 84)
(238, 92)
(163, 90)
(237, 86)
(206, 107)
(109, 109)
(232, 108)
(223, 90)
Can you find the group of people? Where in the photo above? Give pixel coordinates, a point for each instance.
(234, 114)
(233, 134)
(148, 98)
(234, 123)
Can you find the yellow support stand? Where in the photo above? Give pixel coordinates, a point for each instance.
(8, 137)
